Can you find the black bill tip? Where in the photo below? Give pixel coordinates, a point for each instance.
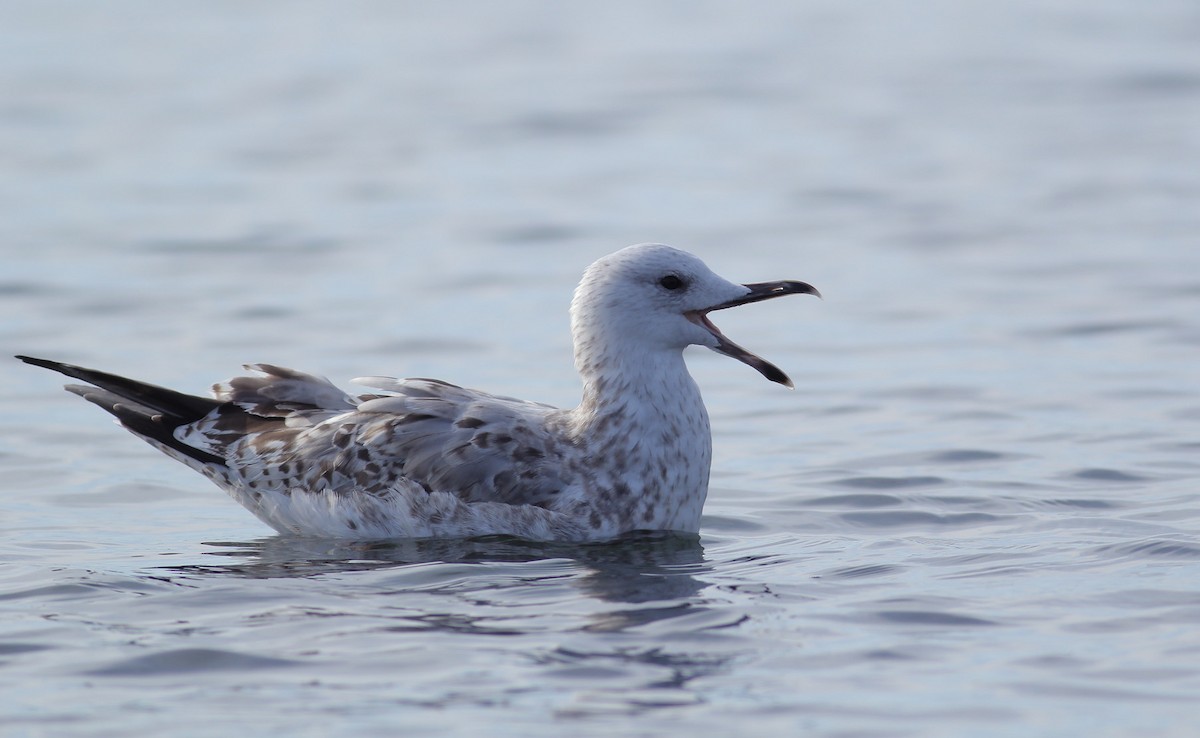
(757, 291)
(768, 290)
(775, 374)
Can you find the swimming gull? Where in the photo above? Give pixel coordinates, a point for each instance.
(424, 458)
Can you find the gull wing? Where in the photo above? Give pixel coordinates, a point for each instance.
(291, 430)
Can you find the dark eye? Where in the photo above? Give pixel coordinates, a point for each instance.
(671, 282)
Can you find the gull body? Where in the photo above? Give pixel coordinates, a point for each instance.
(425, 458)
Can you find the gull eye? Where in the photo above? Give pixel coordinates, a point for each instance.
(671, 282)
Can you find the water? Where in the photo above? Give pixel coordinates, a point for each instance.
(978, 514)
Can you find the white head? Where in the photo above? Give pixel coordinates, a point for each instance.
(655, 298)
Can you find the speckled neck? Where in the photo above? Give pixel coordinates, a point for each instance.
(648, 422)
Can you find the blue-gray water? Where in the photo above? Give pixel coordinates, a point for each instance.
(978, 514)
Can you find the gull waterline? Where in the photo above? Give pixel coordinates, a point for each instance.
(424, 458)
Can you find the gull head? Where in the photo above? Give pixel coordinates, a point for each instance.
(653, 298)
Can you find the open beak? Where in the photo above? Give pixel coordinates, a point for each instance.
(758, 291)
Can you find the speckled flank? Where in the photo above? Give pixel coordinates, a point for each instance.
(423, 457)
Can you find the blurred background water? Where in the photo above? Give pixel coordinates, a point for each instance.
(978, 514)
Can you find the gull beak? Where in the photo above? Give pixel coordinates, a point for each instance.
(758, 291)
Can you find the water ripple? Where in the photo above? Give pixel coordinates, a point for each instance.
(917, 519)
(859, 501)
(1108, 475)
(927, 617)
(890, 482)
(1150, 548)
(189, 660)
(868, 570)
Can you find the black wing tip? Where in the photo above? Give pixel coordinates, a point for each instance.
(184, 408)
(149, 411)
(62, 367)
(44, 363)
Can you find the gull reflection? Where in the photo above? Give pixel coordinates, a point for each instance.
(637, 568)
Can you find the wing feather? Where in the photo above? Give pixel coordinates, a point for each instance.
(287, 429)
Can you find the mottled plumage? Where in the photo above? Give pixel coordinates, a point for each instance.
(422, 458)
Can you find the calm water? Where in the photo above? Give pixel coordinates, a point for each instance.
(978, 514)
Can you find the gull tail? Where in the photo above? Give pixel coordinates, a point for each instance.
(149, 411)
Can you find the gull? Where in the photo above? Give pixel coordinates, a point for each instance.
(421, 458)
